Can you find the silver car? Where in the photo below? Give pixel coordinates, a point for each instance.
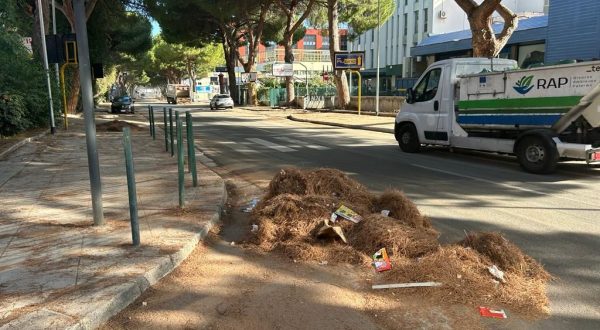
(221, 101)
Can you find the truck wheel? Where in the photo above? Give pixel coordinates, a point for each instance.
(408, 139)
(537, 154)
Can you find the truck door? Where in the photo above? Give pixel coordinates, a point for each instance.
(427, 101)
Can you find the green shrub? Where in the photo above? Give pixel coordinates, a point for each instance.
(23, 88)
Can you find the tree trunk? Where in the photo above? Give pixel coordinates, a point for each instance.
(485, 43)
(230, 62)
(341, 83)
(289, 81)
(73, 97)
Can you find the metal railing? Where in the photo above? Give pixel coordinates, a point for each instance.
(300, 55)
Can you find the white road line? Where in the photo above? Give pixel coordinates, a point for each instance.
(271, 145)
(300, 143)
(506, 185)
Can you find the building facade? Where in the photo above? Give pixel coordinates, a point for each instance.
(413, 21)
(311, 54)
(573, 30)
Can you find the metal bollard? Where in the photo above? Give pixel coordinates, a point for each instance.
(133, 211)
(180, 166)
(191, 148)
(150, 119)
(153, 127)
(166, 129)
(171, 133)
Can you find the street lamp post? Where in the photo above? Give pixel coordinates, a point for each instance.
(46, 68)
(87, 98)
(377, 44)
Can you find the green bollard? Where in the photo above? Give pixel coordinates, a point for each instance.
(180, 166)
(166, 129)
(150, 119)
(153, 127)
(133, 211)
(171, 133)
(191, 148)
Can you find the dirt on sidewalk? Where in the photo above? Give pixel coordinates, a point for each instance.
(227, 285)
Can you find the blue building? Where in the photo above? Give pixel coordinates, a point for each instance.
(573, 30)
(570, 31)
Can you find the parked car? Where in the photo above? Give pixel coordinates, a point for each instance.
(122, 104)
(221, 101)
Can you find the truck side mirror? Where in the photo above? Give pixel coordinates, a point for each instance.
(410, 96)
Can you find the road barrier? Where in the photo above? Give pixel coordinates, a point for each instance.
(191, 148)
(153, 126)
(180, 160)
(133, 211)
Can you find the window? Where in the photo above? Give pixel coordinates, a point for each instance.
(405, 3)
(372, 58)
(428, 86)
(310, 41)
(416, 22)
(405, 25)
(425, 21)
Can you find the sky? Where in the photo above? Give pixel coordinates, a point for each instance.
(155, 27)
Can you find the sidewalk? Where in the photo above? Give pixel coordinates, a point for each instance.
(337, 118)
(59, 271)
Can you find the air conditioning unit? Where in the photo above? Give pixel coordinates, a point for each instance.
(442, 14)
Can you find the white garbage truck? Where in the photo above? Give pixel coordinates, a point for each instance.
(541, 115)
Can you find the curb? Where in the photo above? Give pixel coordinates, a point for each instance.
(374, 129)
(22, 143)
(134, 288)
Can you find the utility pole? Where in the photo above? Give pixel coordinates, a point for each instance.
(87, 98)
(378, 40)
(46, 68)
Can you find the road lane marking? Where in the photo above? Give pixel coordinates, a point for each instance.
(271, 145)
(300, 143)
(505, 185)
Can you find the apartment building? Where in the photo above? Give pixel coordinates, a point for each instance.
(413, 21)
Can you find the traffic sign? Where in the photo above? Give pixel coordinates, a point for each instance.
(283, 70)
(248, 77)
(221, 69)
(352, 60)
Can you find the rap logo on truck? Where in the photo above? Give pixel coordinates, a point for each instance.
(524, 85)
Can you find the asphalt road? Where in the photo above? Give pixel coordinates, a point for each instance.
(554, 218)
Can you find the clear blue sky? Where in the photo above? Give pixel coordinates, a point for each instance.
(155, 27)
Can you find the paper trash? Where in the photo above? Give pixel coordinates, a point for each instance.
(381, 261)
(487, 312)
(348, 214)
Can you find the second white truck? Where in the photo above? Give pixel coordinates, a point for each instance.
(541, 115)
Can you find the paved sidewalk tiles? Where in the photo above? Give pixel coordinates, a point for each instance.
(59, 271)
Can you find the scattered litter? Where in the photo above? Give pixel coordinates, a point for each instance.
(232, 243)
(144, 303)
(494, 313)
(405, 285)
(497, 273)
(254, 228)
(329, 231)
(458, 276)
(333, 217)
(323, 263)
(348, 214)
(251, 205)
(381, 261)
(385, 213)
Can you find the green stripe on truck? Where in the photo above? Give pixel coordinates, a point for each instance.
(513, 111)
(534, 102)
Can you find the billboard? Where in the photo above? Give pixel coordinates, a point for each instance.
(349, 61)
(283, 70)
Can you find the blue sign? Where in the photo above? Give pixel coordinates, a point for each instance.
(203, 89)
(345, 60)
